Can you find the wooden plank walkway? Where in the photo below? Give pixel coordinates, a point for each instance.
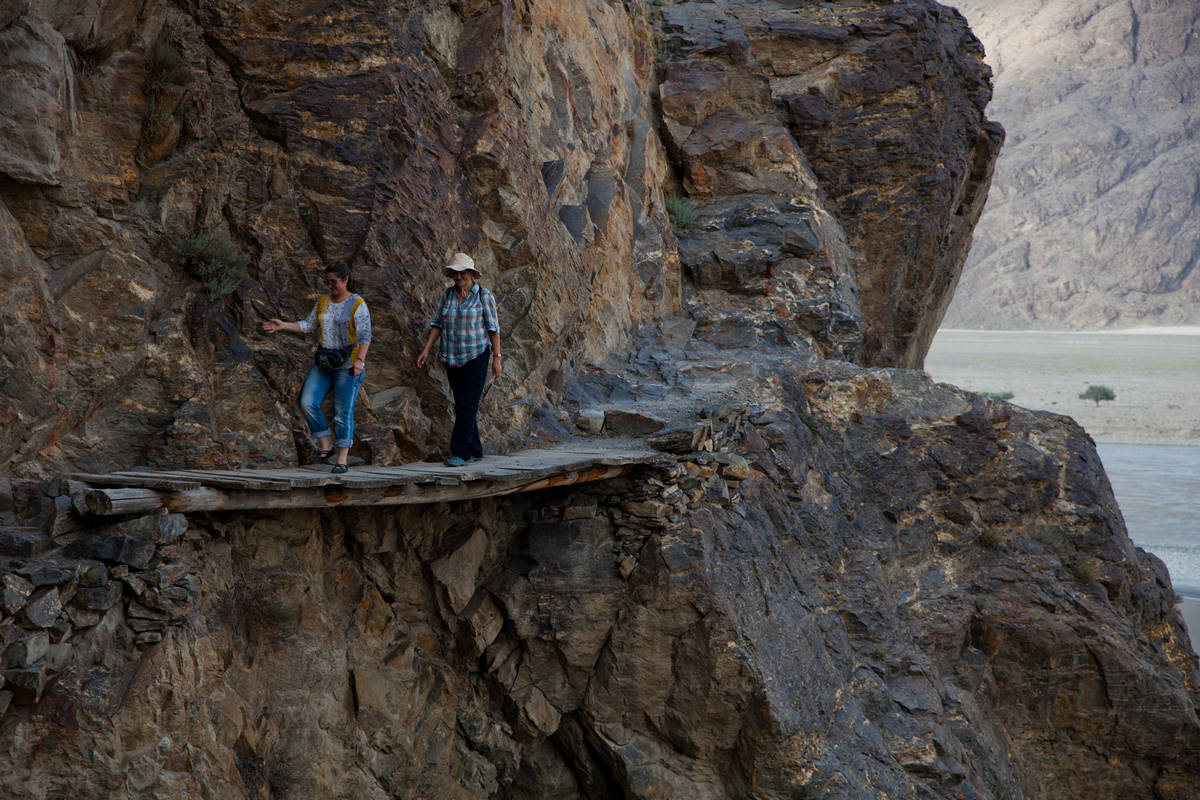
(315, 486)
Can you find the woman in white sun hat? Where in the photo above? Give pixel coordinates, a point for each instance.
(469, 329)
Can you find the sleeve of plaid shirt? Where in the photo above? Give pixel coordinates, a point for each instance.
(438, 322)
(490, 319)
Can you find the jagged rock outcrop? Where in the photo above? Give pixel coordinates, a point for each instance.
(1094, 216)
(543, 138)
(840, 582)
(801, 103)
(884, 587)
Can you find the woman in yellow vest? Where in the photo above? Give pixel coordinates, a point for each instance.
(343, 326)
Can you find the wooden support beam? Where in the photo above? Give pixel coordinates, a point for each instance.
(334, 495)
(123, 501)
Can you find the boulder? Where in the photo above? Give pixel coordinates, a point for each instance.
(630, 422)
(43, 608)
(134, 552)
(26, 651)
(14, 592)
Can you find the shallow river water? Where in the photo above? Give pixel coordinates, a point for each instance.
(1158, 489)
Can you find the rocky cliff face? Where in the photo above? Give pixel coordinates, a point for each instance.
(1093, 216)
(883, 587)
(546, 140)
(386, 137)
(876, 586)
(800, 104)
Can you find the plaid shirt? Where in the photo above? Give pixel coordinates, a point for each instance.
(465, 326)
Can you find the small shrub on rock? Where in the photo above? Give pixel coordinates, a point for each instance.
(1060, 545)
(997, 395)
(214, 260)
(683, 212)
(168, 65)
(1086, 571)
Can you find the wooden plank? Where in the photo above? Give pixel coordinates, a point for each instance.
(123, 501)
(543, 458)
(231, 480)
(302, 478)
(501, 474)
(146, 480)
(541, 465)
(424, 467)
(442, 476)
(315, 486)
(362, 480)
(399, 475)
(346, 496)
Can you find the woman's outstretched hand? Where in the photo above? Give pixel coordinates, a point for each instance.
(272, 325)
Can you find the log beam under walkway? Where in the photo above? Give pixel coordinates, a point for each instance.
(137, 492)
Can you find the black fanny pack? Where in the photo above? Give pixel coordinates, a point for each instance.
(331, 357)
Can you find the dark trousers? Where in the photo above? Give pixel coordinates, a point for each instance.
(466, 382)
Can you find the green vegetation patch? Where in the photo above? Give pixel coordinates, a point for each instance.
(1086, 571)
(683, 212)
(1097, 393)
(168, 65)
(997, 395)
(1060, 545)
(212, 259)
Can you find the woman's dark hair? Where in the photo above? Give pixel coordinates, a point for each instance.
(342, 270)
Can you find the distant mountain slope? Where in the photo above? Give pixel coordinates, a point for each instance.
(1094, 214)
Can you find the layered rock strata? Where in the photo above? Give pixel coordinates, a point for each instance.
(384, 136)
(839, 582)
(884, 587)
(870, 115)
(546, 139)
(1094, 219)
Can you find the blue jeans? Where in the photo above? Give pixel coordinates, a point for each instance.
(466, 382)
(345, 393)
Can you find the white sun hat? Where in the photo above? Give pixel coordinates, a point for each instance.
(460, 262)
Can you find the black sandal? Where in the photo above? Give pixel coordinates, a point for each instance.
(338, 469)
(323, 456)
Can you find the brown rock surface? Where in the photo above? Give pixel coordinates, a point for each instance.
(801, 104)
(1093, 220)
(388, 137)
(541, 138)
(875, 584)
(879, 593)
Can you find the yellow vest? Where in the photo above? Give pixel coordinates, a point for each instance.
(322, 307)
